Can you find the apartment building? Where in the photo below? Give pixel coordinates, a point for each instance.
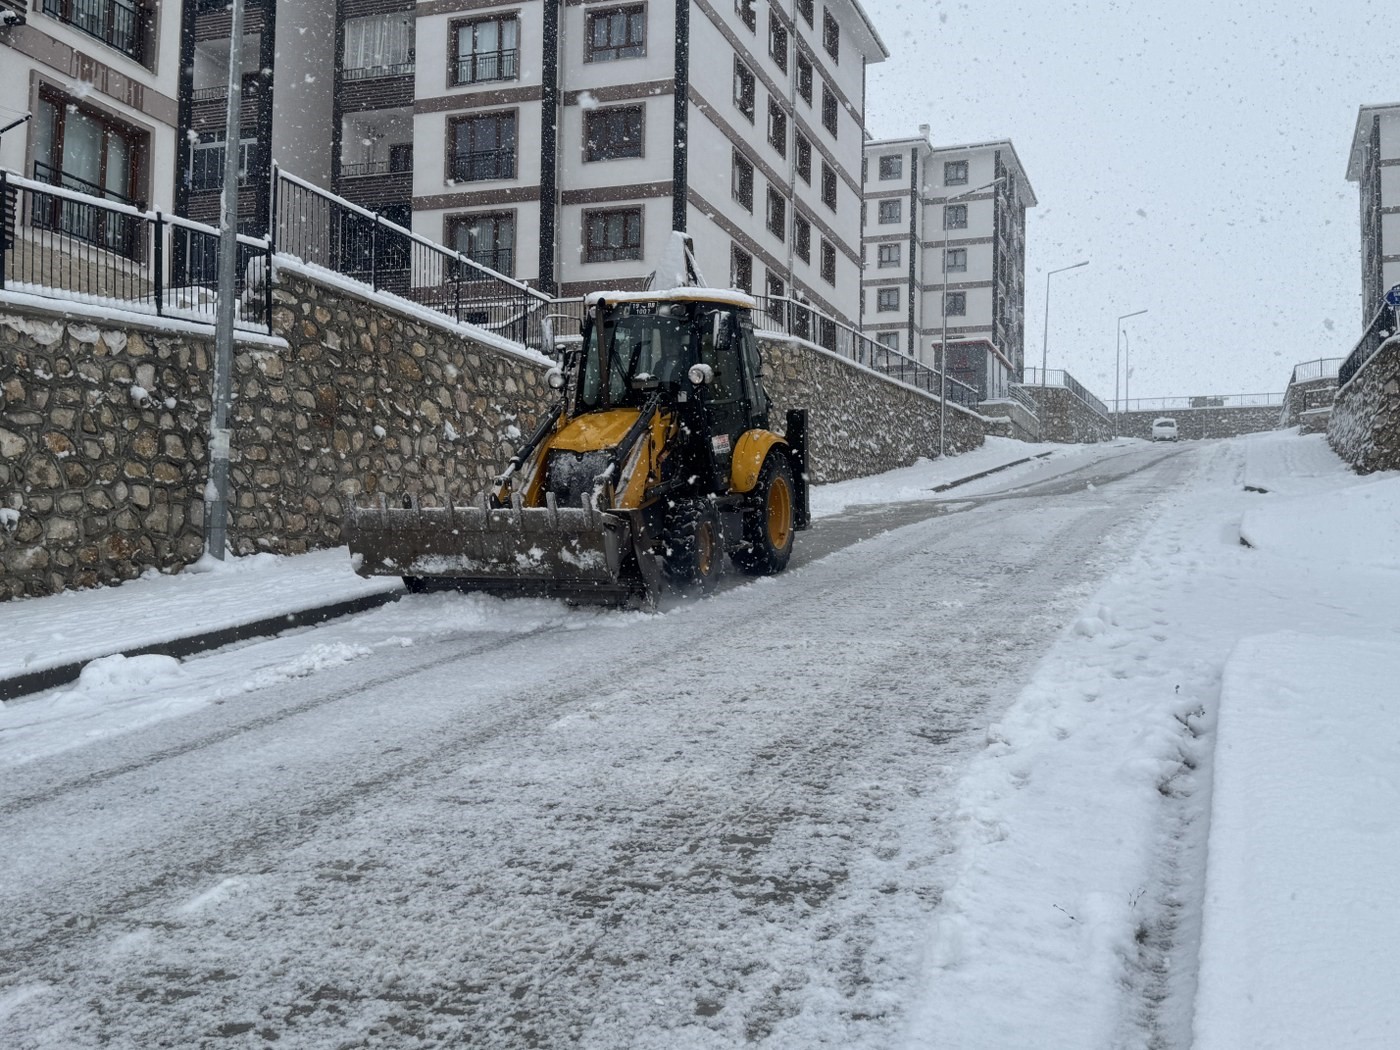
(1374, 165)
(944, 247)
(89, 100)
(564, 141)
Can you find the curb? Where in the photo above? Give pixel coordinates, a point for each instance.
(982, 474)
(49, 678)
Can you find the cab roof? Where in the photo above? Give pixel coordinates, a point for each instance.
(724, 296)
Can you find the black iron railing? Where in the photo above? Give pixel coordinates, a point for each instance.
(324, 230)
(487, 66)
(63, 243)
(391, 69)
(1059, 377)
(779, 313)
(76, 218)
(484, 164)
(122, 24)
(1322, 368)
(1185, 404)
(1381, 328)
(376, 167)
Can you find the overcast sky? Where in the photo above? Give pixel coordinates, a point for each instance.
(1195, 152)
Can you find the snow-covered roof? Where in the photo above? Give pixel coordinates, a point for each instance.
(728, 296)
(1361, 134)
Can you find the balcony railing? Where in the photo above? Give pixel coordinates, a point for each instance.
(1381, 328)
(121, 24)
(486, 66)
(484, 164)
(84, 221)
(393, 69)
(376, 167)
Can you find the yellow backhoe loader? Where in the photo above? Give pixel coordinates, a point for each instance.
(656, 461)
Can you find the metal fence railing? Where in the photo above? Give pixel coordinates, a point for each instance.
(84, 248)
(1182, 404)
(779, 313)
(1381, 328)
(324, 230)
(1322, 368)
(1059, 377)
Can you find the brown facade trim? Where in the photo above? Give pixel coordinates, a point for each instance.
(643, 89)
(814, 136)
(1388, 162)
(479, 99)
(737, 234)
(479, 199)
(613, 194)
(885, 238)
(888, 282)
(430, 8)
(887, 194)
(955, 286)
(989, 195)
(69, 61)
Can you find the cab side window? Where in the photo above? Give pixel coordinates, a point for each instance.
(723, 359)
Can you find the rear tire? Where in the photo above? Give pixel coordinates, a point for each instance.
(691, 546)
(768, 520)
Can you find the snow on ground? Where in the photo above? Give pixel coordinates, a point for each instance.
(1080, 889)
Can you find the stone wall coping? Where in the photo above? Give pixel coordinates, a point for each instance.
(407, 307)
(1393, 341)
(783, 337)
(111, 315)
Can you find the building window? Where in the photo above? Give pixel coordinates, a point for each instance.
(886, 299)
(612, 235)
(85, 150)
(887, 255)
(955, 216)
(207, 158)
(775, 285)
(891, 211)
(803, 148)
(612, 133)
(744, 89)
(802, 238)
(483, 147)
(889, 340)
(804, 77)
(121, 24)
(955, 304)
(745, 10)
(741, 181)
(955, 173)
(831, 36)
(955, 260)
(777, 42)
(378, 46)
(486, 49)
(829, 117)
(777, 214)
(740, 269)
(828, 186)
(618, 32)
(806, 9)
(891, 168)
(828, 262)
(488, 240)
(777, 128)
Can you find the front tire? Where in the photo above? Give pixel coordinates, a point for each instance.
(768, 520)
(691, 545)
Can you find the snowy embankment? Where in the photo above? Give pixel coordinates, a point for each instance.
(1081, 852)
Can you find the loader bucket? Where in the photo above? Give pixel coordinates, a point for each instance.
(578, 553)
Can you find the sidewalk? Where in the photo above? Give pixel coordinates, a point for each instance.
(49, 640)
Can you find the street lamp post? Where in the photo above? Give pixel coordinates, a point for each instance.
(943, 309)
(1117, 349)
(1045, 338)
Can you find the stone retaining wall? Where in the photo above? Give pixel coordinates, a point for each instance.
(1364, 428)
(103, 458)
(1306, 396)
(1064, 417)
(1194, 424)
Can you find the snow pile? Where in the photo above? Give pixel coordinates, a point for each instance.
(1298, 945)
(1358, 524)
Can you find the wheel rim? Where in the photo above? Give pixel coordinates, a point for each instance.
(779, 513)
(704, 549)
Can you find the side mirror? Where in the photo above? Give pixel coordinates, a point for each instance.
(701, 374)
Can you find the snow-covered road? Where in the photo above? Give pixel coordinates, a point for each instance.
(456, 821)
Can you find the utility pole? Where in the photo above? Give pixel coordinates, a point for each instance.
(216, 497)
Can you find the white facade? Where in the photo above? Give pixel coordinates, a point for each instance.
(618, 65)
(947, 221)
(102, 102)
(1375, 165)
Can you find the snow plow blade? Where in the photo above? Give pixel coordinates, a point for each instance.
(578, 553)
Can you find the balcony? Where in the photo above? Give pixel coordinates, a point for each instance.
(487, 66)
(120, 24)
(397, 69)
(484, 164)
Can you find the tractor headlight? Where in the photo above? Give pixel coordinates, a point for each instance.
(701, 374)
(555, 378)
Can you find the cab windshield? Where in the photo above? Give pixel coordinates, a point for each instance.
(643, 340)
